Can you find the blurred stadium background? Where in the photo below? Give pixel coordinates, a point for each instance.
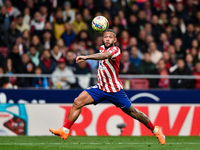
(160, 65)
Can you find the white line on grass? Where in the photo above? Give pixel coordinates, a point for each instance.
(92, 143)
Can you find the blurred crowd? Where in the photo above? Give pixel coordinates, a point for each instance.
(159, 37)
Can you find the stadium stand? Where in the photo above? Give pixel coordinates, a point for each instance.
(167, 29)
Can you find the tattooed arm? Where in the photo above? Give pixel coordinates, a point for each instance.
(98, 56)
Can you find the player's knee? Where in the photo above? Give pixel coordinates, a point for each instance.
(78, 103)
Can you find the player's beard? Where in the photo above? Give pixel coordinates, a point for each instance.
(107, 47)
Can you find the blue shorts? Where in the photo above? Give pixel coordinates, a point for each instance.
(119, 99)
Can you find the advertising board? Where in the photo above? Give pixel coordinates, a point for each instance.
(36, 119)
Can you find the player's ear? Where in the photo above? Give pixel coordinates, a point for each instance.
(115, 40)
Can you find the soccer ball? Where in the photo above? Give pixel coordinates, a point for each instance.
(100, 24)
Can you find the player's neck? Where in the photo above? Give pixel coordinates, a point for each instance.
(107, 47)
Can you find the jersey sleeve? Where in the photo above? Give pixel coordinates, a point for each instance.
(115, 51)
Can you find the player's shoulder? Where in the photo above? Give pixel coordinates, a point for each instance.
(102, 47)
(114, 48)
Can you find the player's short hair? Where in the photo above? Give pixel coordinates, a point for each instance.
(110, 30)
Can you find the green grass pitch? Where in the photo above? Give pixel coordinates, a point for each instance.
(98, 143)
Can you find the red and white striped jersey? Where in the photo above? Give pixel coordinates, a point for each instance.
(108, 70)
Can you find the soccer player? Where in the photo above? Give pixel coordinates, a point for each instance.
(109, 87)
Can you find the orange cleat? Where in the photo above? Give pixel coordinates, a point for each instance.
(160, 136)
(60, 133)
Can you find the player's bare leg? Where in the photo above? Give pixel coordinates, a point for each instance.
(140, 116)
(83, 99)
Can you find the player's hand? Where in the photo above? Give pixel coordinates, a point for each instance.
(80, 58)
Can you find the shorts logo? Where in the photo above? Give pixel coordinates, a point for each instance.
(95, 86)
(123, 107)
